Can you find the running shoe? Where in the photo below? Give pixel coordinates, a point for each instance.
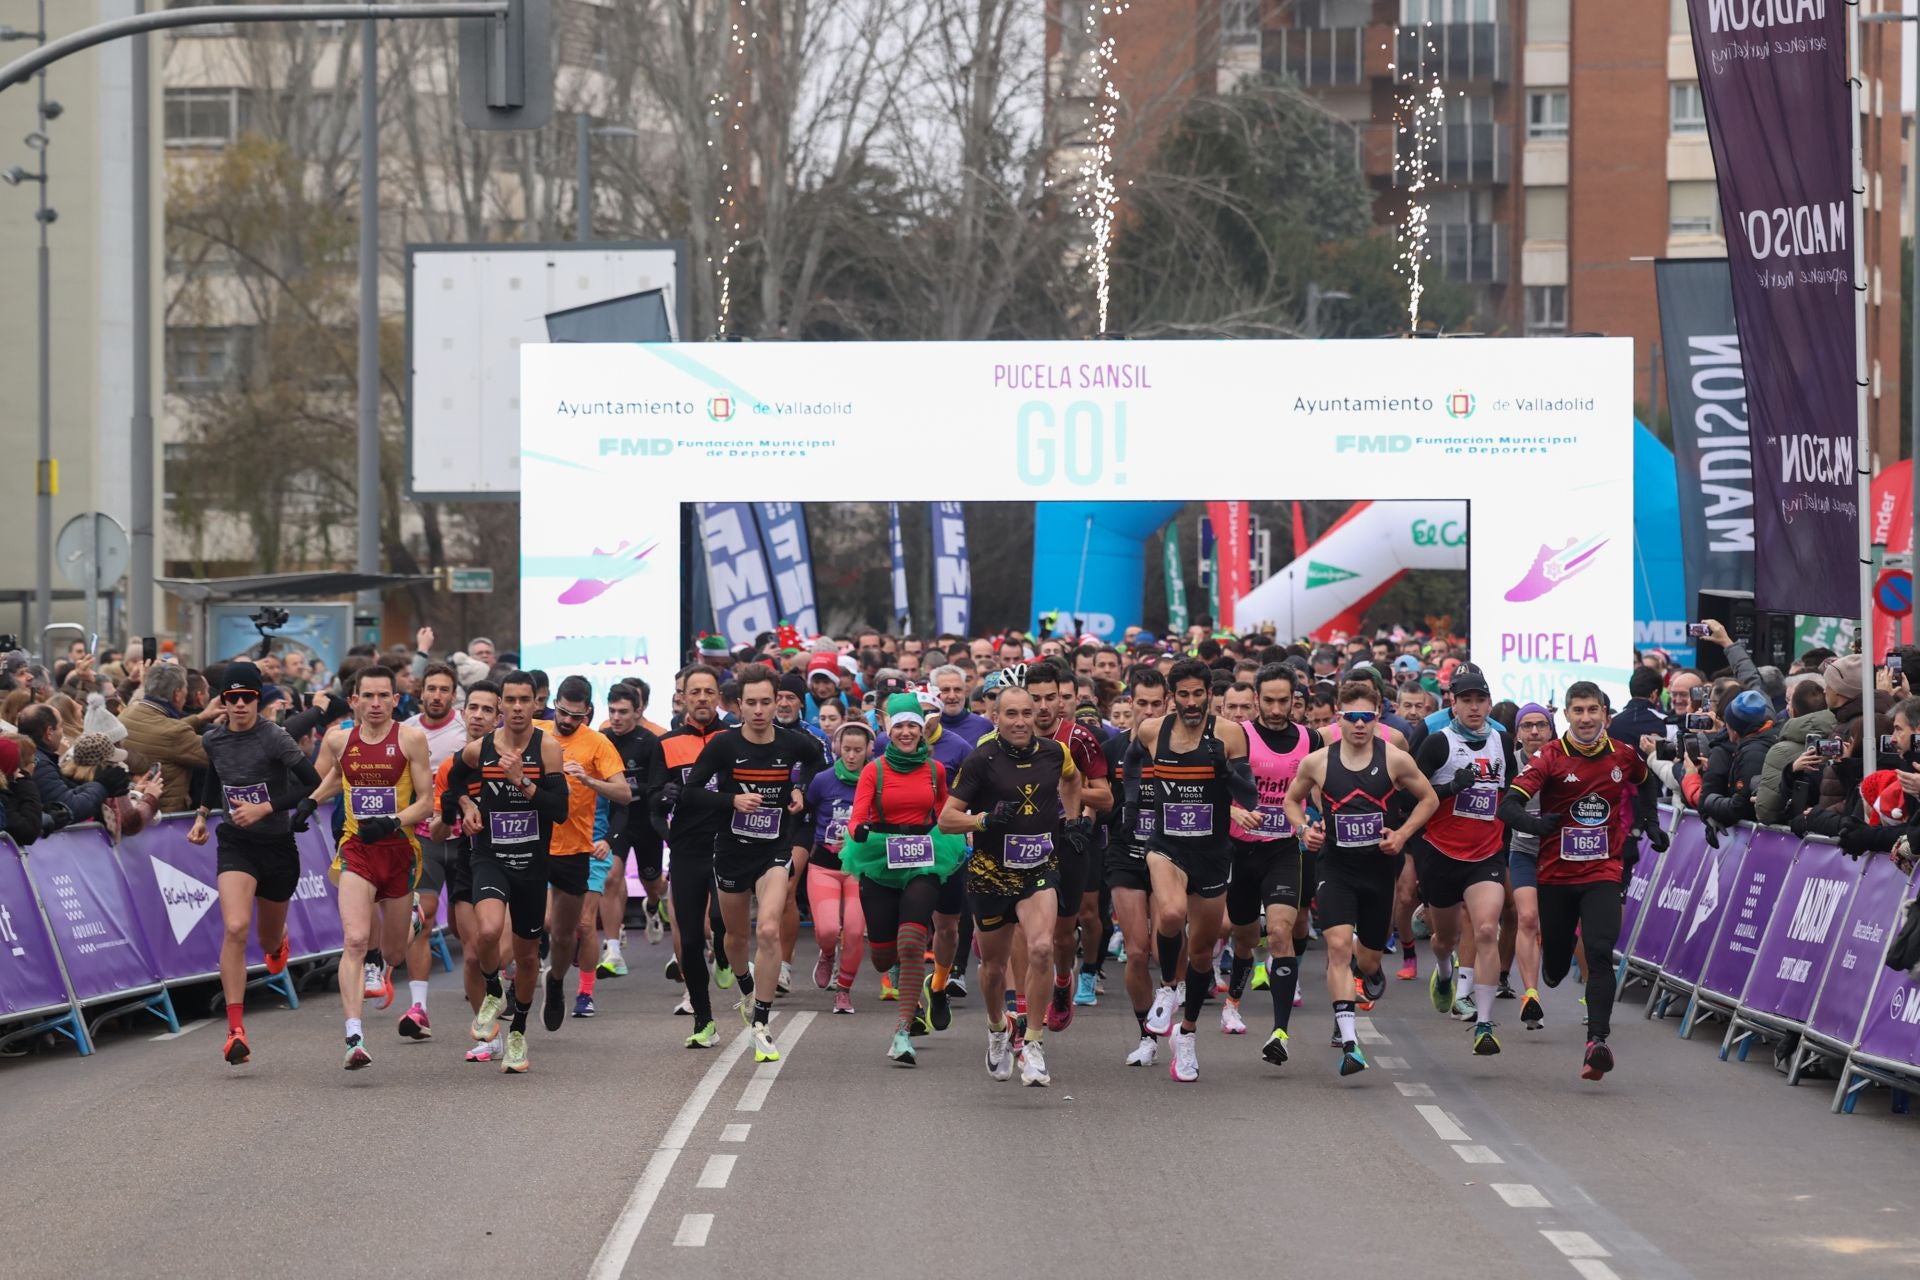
(1598, 1062)
(763, 1046)
(1060, 1007)
(686, 1004)
(1583, 1011)
(1506, 988)
(620, 969)
(486, 1022)
(583, 1006)
(1440, 992)
(1000, 1053)
(1180, 992)
(1019, 1021)
(901, 1050)
(1185, 1067)
(1393, 944)
(1033, 1065)
(1484, 1045)
(357, 1055)
(1410, 970)
(515, 1063)
(1464, 1010)
(419, 919)
(1531, 1014)
(744, 1007)
(413, 1024)
(484, 1052)
(654, 929)
(1099, 983)
(373, 980)
(555, 1011)
(722, 976)
(1275, 1049)
(673, 968)
(1360, 1000)
(1160, 1017)
(842, 1000)
(1374, 985)
(888, 991)
(1144, 1053)
(705, 1038)
(382, 992)
(1422, 927)
(605, 967)
(1221, 979)
(956, 985)
(783, 985)
(1084, 992)
(236, 1051)
(1231, 1023)
(1299, 1000)
(1116, 945)
(1336, 1042)
(277, 958)
(1260, 979)
(1352, 1061)
(934, 1006)
(823, 970)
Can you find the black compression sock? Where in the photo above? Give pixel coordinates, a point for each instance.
(1238, 974)
(720, 953)
(493, 982)
(1199, 987)
(1087, 966)
(520, 1012)
(746, 983)
(1140, 1016)
(762, 1012)
(1284, 974)
(1170, 951)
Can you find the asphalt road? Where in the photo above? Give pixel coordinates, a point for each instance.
(623, 1154)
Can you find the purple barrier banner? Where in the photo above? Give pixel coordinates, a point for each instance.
(177, 897)
(29, 973)
(1857, 952)
(1635, 898)
(313, 920)
(1892, 1031)
(94, 921)
(1700, 921)
(1793, 951)
(1671, 891)
(1755, 892)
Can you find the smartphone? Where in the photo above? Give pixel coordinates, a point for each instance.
(1888, 749)
(1698, 697)
(149, 648)
(1699, 722)
(154, 772)
(1827, 748)
(1699, 630)
(1893, 663)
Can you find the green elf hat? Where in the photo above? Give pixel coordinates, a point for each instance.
(709, 643)
(905, 707)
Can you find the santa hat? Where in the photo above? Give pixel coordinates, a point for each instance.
(1885, 799)
(826, 664)
(787, 637)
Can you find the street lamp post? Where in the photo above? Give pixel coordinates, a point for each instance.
(1913, 300)
(584, 133)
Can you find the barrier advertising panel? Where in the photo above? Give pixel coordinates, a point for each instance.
(91, 910)
(1750, 905)
(1670, 892)
(29, 972)
(1794, 949)
(1856, 952)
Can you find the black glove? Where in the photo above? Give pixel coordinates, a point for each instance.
(1079, 834)
(669, 795)
(1542, 824)
(1857, 838)
(1000, 817)
(114, 778)
(374, 830)
(54, 816)
(861, 834)
(302, 812)
(1217, 752)
(1657, 839)
(336, 710)
(1461, 781)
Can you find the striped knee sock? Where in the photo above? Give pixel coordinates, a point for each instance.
(913, 968)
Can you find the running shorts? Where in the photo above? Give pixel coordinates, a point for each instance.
(567, 873)
(1207, 871)
(995, 905)
(391, 866)
(272, 861)
(436, 858)
(524, 892)
(1265, 874)
(1357, 890)
(1444, 881)
(739, 873)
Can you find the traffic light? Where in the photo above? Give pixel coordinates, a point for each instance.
(506, 68)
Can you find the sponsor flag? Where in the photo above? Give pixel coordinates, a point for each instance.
(1230, 531)
(738, 580)
(900, 609)
(1210, 568)
(1774, 78)
(1299, 531)
(952, 578)
(1176, 580)
(1707, 389)
(783, 535)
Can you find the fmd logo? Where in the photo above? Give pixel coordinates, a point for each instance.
(1461, 404)
(1372, 444)
(720, 408)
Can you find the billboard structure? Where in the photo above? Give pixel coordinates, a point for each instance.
(1535, 434)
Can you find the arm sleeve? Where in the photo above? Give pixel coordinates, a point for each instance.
(209, 795)
(550, 796)
(1130, 771)
(601, 816)
(811, 755)
(1240, 784)
(711, 764)
(656, 808)
(459, 776)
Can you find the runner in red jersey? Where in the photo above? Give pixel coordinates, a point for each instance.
(1078, 887)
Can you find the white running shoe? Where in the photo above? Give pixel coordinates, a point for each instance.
(785, 984)
(1160, 1017)
(1000, 1053)
(655, 931)
(1145, 1053)
(1231, 1023)
(686, 1004)
(1186, 1062)
(1033, 1065)
(1463, 1008)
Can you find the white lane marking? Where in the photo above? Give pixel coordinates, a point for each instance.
(1413, 1090)
(617, 1249)
(735, 1133)
(1576, 1244)
(1593, 1269)
(1520, 1195)
(754, 1096)
(714, 1176)
(1443, 1125)
(1368, 1033)
(1390, 1064)
(1477, 1154)
(186, 1028)
(693, 1230)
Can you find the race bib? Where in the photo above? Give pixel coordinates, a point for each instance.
(1187, 819)
(1583, 844)
(255, 793)
(837, 825)
(762, 824)
(1023, 853)
(1359, 828)
(1273, 823)
(513, 826)
(1479, 802)
(1145, 823)
(909, 853)
(376, 802)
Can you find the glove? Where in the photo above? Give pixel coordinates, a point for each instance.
(1657, 839)
(302, 813)
(1544, 824)
(1079, 834)
(1461, 781)
(670, 795)
(115, 779)
(860, 834)
(374, 830)
(1217, 752)
(1000, 817)
(54, 816)
(1798, 824)
(336, 710)
(1857, 838)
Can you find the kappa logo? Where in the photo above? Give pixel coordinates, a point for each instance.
(188, 899)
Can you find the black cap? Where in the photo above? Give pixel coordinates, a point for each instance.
(241, 676)
(795, 683)
(1468, 681)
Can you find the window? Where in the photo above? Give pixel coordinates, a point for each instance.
(207, 117)
(1467, 109)
(201, 359)
(176, 470)
(1546, 309)
(1240, 23)
(1547, 116)
(1689, 110)
(1546, 213)
(1547, 21)
(1693, 209)
(1415, 12)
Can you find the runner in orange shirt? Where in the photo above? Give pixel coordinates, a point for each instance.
(577, 864)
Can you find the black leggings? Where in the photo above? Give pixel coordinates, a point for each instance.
(694, 901)
(888, 908)
(1595, 909)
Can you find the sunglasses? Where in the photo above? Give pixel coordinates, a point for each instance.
(1359, 717)
(561, 713)
(235, 697)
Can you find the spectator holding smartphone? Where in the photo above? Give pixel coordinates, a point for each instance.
(1795, 753)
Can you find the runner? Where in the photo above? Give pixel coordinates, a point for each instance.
(1077, 888)
(508, 791)
(1458, 854)
(630, 827)
(839, 924)
(445, 735)
(481, 717)
(690, 837)
(1126, 865)
(1579, 778)
(1201, 782)
(789, 712)
(1359, 860)
(1266, 861)
(1009, 797)
(1533, 727)
(258, 775)
(578, 860)
(381, 767)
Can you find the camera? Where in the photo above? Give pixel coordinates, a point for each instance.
(1666, 749)
(1699, 722)
(268, 619)
(8, 642)
(1827, 748)
(1699, 630)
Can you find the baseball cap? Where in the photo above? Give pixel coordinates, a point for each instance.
(1407, 664)
(241, 677)
(1469, 680)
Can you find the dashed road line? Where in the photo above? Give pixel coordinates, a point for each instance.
(1368, 1033)
(1576, 1244)
(1475, 1154)
(1390, 1064)
(1593, 1269)
(1413, 1090)
(1521, 1195)
(754, 1096)
(1442, 1124)
(693, 1230)
(735, 1133)
(714, 1176)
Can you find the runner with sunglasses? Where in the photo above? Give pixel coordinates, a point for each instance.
(258, 775)
(481, 716)
(1128, 842)
(1360, 856)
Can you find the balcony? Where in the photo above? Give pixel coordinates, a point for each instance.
(1473, 154)
(1470, 252)
(1455, 52)
(1325, 58)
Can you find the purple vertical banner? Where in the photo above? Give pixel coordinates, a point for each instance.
(1794, 948)
(1639, 880)
(1712, 893)
(29, 972)
(1670, 892)
(952, 576)
(1774, 79)
(177, 897)
(1892, 1030)
(783, 536)
(313, 917)
(95, 924)
(898, 551)
(1858, 951)
(737, 575)
(1750, 908)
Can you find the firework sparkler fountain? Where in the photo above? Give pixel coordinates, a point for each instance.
(728, 124)
(1422, 104)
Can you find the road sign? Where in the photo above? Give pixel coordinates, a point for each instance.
(467, 582)
(96, 558)
(1893, 593)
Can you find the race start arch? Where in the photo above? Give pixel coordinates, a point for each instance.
(1536, 435)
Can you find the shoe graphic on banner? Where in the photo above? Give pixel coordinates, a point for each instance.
(618, 569)
(1551, 568)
